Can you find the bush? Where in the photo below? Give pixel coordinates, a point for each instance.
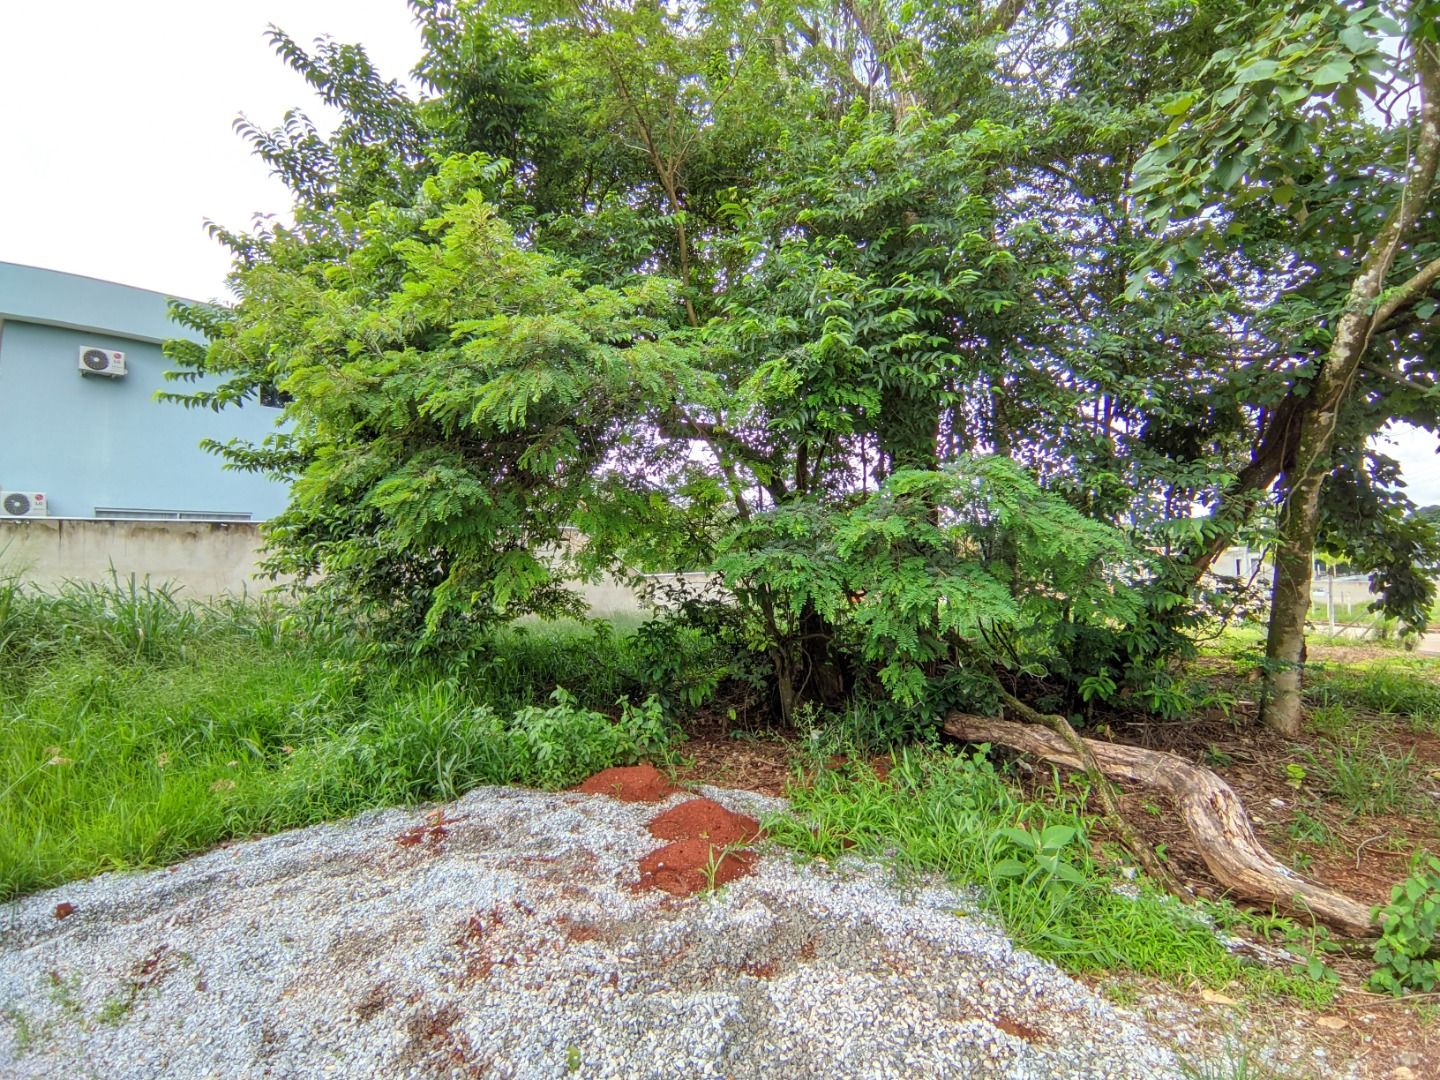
(434, 743)
(1407, 956)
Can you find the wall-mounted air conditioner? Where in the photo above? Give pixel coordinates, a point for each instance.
(97, 361)
(20, 504)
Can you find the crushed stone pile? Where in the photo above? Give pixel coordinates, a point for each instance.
(507, 935)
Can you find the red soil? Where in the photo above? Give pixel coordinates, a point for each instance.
(682, 868)
(704, 819)
(701, 830)
(638, 783)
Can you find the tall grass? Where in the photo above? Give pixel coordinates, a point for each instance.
(136, 728)
(955, 815)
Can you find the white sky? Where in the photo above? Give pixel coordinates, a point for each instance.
(116, 145)
(115, 137)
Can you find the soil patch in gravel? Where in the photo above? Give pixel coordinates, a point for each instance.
(705, 819)
(634, 783)
(687, 867)
(703, 832)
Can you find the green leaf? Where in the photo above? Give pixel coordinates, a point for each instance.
(1229, 171)
(1336, 71)
(1257, 70)
(1357, 39)
(1057, 836)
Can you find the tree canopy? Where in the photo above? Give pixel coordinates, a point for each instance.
(932, 326)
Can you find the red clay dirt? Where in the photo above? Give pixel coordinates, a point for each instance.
(701, 830)
(704, 819)
(682, 868)
(637, 783)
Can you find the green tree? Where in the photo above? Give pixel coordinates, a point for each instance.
(845, 250)
(1284, 143)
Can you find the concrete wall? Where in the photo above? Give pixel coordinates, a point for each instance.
(89, 441)
(203, 558)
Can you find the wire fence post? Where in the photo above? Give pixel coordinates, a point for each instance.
(1330, 600)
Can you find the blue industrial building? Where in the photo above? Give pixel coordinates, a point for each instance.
(80, 426)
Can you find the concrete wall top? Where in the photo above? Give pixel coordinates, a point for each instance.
(201, 558)
(54, 298)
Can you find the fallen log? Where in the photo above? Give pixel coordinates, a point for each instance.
(1212, 811)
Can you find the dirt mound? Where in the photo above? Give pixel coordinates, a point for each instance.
(687, 867)
(636, 783)
(702, 830)
(704, 819)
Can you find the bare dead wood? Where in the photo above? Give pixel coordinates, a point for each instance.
(1102, 787)
(1211, 810)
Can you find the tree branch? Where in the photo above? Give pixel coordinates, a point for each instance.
(1407, 293)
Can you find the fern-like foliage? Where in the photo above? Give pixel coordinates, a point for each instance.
(962, 570)
(454, 398)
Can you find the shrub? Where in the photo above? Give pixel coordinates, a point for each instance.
(1406, 955)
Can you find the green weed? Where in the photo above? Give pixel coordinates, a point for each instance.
(1237, 1061)
(63, 993)
(1332, 719)
(1405, 954)
(1307, 829)
(136, 729)
(1366, 779)
(1407, 687)
(953, 814)
(25, 1032)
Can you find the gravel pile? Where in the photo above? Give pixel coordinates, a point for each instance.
(505, 938)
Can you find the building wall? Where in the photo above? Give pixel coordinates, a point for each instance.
(92, 442)
(204, 559)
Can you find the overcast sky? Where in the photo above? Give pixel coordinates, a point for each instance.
(116, 145)
(115, 136)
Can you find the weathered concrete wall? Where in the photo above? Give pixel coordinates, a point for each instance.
(203, 558)
(611, 597)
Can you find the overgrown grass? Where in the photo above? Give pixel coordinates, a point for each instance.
(136, 729)
(1402, 686)
(954, 814)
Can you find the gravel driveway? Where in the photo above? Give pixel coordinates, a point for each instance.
(509, 942)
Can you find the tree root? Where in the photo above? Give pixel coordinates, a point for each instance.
(1212, 811)
(1102, 787)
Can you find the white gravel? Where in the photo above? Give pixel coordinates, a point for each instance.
(516, 947)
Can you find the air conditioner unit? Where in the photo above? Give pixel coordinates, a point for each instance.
(19, 504)
(97, 361)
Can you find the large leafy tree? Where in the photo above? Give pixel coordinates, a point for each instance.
(815, 290)
(1309, 147)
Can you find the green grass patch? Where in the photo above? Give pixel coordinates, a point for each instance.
(953, 814)
(136, 729)
(1401, 686)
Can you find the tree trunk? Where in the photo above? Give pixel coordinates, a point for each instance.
(1367, 305)
(1210, 808)
(1289, 608)
(824, 679)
